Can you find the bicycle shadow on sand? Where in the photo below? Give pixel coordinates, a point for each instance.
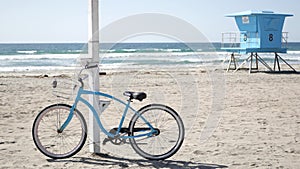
(107, 160)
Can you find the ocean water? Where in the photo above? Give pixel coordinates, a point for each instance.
(58, 56)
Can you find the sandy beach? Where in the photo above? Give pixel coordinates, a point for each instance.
(232, 120)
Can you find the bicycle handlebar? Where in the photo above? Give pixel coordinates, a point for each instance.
(90, 67)
(87, 67)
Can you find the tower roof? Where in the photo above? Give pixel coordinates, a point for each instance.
(256, 12)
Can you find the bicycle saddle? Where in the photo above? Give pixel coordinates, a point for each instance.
(135, 95)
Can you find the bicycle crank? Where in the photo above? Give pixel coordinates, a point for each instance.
(117, 140)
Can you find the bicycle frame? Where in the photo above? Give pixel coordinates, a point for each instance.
(78, 99)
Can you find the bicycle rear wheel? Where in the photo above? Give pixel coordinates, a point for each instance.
(53, 143)
(170, 132)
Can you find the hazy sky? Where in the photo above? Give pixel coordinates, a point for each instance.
(66, 20)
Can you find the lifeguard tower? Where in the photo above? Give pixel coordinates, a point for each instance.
(259, 32)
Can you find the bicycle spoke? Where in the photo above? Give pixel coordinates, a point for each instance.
(56, 144)
(169, 138)
(48, 126)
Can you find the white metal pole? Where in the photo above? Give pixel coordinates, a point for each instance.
(93, 53)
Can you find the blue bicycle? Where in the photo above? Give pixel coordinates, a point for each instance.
(155, 131)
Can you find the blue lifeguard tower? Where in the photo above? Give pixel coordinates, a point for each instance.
(259, 32)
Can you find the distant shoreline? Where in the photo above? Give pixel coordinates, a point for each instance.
(62, 56)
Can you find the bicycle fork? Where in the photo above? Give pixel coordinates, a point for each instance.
(70, 116)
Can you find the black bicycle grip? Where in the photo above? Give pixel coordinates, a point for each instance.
(102, 73)
(90, 67)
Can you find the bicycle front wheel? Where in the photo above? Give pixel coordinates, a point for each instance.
(170, 132)
(54, 143)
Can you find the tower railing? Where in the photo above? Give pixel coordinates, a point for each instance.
(231, 40)
(284, 40)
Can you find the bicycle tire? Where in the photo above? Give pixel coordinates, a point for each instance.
(51, 142)
(164, 119)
